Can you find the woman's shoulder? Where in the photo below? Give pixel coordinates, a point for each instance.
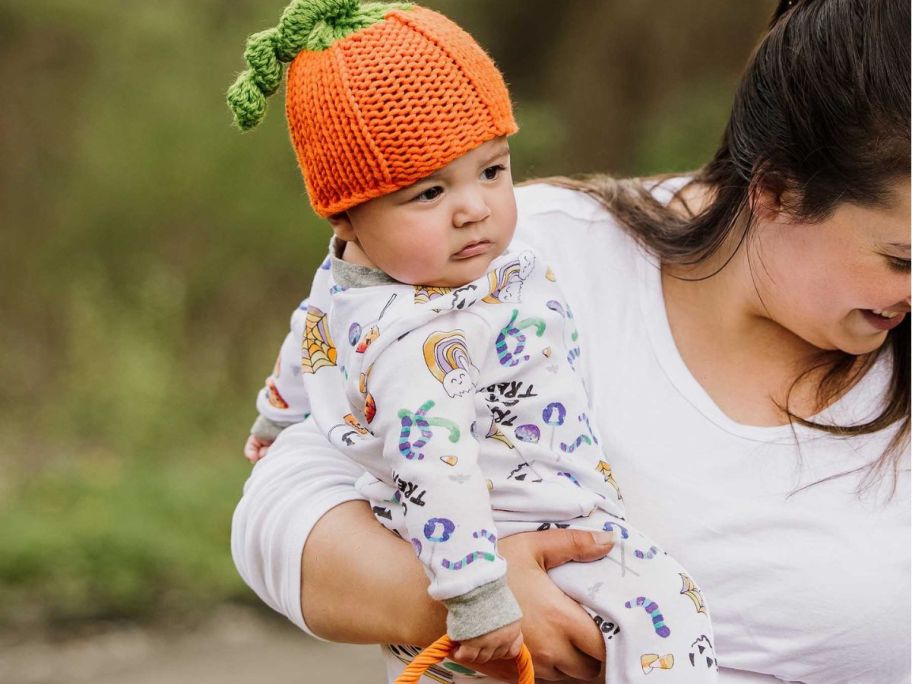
(539, 198)
(569, 224)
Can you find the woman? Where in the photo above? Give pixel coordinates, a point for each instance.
(748, 360)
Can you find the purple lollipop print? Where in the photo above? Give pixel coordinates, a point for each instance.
(528, 433)
(553, 415)
(354, 334)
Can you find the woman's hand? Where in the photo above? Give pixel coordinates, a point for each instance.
(565, 643)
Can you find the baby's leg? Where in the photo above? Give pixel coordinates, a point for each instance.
(649, 610)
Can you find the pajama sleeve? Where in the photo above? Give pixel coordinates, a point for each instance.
(283, 400)
(423, 387)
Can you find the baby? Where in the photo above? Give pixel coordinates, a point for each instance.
(435, 350)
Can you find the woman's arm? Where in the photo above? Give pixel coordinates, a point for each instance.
(372, 589)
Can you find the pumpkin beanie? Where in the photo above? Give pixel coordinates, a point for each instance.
(378, 95)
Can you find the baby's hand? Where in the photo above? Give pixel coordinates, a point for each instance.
(504, 642)
(256, 448)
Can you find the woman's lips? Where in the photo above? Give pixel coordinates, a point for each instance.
(880, 322)
(473, 249)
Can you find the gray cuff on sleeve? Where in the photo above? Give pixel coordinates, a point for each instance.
(266, 429)
(482, 610)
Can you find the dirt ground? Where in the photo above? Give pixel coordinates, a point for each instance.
(235, 646)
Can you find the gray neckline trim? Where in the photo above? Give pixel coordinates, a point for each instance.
(350, 275)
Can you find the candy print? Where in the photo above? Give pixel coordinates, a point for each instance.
(419, 421)
(574, 352)
(583, 418)
(370, 408)
(555, 305)
(368, 339)
(582, 439)
(576, 444)
(484, 534)
(609, 526)
(373, 330)
(649, 554)
(273, 395)
(653, 661)
(513, 333)
(446, 355)
(467, 560)
(474, 555)
(362, 379)
(528, 433)
(416, 544)
(439, 529)
(652, 609)
(354, 334)
(554, 413)
(570, 477)
(506, 357)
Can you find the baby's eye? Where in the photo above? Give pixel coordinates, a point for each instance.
(429, 194)
(492, 172)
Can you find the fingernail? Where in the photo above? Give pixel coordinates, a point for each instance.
(603, 538)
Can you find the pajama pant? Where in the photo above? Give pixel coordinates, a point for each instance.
(650, 612)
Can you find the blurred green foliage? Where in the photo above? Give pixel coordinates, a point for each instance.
(152, 255)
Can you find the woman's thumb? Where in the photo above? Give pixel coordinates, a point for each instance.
(562, 546)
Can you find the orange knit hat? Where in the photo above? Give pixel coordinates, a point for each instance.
(378, 95)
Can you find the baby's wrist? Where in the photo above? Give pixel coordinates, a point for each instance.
(481, 611)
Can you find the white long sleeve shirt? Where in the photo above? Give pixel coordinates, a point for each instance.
(806, 586)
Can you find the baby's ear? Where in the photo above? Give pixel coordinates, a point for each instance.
(342, 226)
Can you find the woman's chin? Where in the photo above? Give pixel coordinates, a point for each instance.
(858, 344)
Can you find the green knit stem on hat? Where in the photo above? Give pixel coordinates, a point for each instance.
(305, 25)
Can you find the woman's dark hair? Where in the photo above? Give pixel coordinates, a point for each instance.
(821, 116)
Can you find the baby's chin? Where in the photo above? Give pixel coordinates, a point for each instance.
(463, 273)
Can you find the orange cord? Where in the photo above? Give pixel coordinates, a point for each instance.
(443, 647)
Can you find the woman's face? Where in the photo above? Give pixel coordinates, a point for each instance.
(842, 283)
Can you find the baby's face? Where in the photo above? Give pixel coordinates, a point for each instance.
(445, 229)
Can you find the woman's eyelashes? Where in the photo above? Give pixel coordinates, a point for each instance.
(898, 264)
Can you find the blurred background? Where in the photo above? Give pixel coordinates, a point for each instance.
(151, 257)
